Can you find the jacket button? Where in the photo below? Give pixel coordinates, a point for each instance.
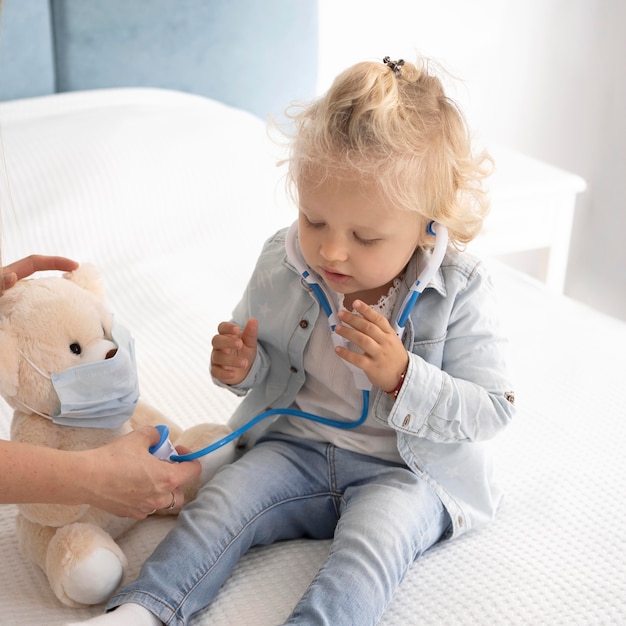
(407, 419)
(304, 324)
(293, 369)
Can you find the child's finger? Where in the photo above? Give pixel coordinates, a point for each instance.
(228, 328)
(371, 315)
(250, 333)
(352, 322)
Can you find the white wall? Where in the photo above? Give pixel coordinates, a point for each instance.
(546, 77)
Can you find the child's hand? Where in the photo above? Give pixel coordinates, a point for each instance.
(384, 358)
(234, 351)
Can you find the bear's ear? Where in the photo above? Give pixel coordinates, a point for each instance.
(89, 278)
(9, 361)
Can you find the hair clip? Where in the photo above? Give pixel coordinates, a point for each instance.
(394, 66)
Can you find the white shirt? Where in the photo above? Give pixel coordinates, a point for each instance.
(330, 391)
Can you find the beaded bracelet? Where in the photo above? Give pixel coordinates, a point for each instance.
(396, 391)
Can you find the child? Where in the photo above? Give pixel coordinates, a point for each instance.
(375, 161)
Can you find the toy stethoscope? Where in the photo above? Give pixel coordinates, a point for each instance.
(165, 450)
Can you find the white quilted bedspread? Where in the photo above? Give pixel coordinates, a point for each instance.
(171, 196)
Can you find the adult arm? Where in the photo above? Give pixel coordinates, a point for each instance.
(121, 477)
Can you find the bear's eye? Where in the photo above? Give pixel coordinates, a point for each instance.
(75, 348)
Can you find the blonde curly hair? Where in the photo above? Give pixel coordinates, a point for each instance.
(394, 126)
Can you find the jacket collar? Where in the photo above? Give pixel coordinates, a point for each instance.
(416, 265)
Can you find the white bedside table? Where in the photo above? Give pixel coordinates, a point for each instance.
(532, 208)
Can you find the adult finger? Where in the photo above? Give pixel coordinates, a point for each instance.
(37, 262)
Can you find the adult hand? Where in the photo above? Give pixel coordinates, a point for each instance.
(31, 264)
(234, 351)
(125, 479)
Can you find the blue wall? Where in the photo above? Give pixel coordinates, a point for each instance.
(26, 49)
(253, 54)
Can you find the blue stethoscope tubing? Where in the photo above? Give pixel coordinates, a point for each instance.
(440, 233)
(269, 413)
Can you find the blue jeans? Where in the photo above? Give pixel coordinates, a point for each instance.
(380, 515)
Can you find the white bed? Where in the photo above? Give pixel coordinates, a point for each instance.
(172, 195)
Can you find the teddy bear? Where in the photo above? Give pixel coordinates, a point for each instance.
(55, 330)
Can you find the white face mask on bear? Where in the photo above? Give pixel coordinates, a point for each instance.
(101, 394)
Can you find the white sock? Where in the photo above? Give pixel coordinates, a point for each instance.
(125, 615)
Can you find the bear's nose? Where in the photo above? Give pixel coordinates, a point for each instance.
(111, 353)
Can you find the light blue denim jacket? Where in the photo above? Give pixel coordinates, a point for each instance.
(455, 395)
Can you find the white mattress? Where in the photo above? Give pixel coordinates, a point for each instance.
(172, 195)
